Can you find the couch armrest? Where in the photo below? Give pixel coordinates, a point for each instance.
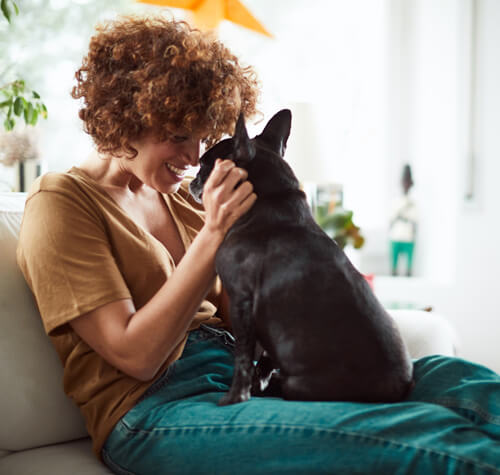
(426, 333)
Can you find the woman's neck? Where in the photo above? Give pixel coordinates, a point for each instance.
(110, 172)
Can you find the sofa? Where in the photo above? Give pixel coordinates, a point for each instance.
(41, 431)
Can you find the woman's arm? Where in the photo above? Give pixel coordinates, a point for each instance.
(139, 342)
(223, 309)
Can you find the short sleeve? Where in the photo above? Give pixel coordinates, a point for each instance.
(66, 257)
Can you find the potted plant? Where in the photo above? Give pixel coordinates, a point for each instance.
(338, 223)
(16, 98)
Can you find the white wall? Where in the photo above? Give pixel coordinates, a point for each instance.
(438, 74)
(329, 56)
(474, 305)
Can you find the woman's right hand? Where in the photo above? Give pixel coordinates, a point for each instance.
(224, 203)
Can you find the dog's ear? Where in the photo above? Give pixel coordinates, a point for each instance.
(244, 149)
(277, 131)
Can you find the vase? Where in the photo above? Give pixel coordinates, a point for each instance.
(27, 171)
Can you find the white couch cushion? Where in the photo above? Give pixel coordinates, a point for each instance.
(75, 458)
(426, 333)
(33, 407)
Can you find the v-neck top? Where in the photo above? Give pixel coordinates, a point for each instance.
(79, 250)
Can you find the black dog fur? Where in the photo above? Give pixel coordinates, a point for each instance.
(293, 290)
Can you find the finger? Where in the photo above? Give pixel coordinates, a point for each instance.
(239, 196)
(246, 204)
(231, 180)
(240, 193)
(219, 172)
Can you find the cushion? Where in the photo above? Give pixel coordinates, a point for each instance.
(75, 458)
(33, 407)
(3, 453)
(426, 333)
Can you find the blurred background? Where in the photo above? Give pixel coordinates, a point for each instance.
(377, 88)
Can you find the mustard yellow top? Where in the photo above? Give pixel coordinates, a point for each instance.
(79, 250)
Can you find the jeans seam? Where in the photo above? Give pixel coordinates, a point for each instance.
(469, 405)
(340, 432)
(159, 383)
(115, 467)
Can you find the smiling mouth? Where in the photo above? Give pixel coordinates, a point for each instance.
(180, 172)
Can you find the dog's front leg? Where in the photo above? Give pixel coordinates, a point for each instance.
(244, 332)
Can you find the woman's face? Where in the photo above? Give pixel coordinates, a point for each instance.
(163, 165)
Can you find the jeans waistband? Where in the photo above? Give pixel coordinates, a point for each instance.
(225, 335)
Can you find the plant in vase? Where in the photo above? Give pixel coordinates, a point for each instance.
(16, 98)
(338, 223)
(19, 151)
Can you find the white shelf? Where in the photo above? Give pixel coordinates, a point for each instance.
(407, 292)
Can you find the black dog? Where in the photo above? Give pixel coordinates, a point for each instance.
(294, 291)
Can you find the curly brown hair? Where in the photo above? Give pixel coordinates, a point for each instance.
(157, 76)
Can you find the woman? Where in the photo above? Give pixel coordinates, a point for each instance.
(121, 263)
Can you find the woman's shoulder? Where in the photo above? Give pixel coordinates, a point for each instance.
(66, 192)
(72, 183)
(62, 182)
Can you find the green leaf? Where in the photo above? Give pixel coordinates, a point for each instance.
(19, 86)
(16, 103)
(34, 117)
(7, 13)
(6, 103)
(5, 10)
(18, 106)
(28, 113)
(42, 110)
(9, 124)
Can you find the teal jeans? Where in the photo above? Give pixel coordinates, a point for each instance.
(450, 424)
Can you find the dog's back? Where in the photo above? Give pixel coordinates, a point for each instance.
(315, 315)
(294, 291)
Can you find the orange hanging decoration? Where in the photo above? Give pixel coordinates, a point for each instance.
(207, 14)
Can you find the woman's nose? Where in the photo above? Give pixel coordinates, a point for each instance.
(193, 152)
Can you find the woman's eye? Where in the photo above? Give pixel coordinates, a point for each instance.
(178, 138)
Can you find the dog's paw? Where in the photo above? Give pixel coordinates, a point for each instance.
(230, 398)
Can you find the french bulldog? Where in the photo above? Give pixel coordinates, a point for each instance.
(295, 293)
